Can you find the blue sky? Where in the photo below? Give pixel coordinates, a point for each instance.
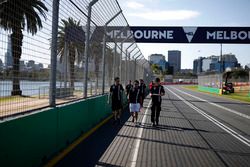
(190, 13)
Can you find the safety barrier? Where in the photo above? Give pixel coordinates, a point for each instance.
(209, 89)
(32, 139)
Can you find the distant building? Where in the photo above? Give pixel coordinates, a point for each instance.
(229, 58)
(31, 64)
(174, 59)
(215, 67)
(8, 55)
(206, 64)
(40, 65)
(22, 65)
(158, 59)
(209, 62)
(229, 61)
(197, 65)
(214, 64)
(167, 65)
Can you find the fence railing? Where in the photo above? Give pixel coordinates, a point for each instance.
(60, 52)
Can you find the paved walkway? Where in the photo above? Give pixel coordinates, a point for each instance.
(183, 138)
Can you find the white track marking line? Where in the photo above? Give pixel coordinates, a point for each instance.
(138, 139)
(221, 125)
(214, 104)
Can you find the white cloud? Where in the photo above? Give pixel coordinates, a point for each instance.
(134, 5)
(167, 15)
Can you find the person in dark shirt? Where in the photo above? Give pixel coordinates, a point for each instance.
(116, 91)
(128, 87)
(135, 98)
(143, 90)
(156, 92)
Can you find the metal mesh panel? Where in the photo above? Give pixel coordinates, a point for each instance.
(29, 81)
(24, 51)
(212, 80)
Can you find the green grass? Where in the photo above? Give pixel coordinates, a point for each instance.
(9, 98)
(237, 96)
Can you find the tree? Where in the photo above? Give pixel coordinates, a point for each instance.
(17, 16)
(155, 68)
(71, 37)
(109, 64)
(96, 50)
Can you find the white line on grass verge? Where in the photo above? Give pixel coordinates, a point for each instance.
(138, 138)
(221, 125)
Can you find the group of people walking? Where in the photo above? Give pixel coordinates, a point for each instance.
(136, 93)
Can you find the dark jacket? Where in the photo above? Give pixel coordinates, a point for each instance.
(116, 92)
(135, 95)
(155, 92)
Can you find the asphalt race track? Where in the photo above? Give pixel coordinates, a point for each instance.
(196, 129)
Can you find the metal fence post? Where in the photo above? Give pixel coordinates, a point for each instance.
(104, 50)
(86, 54)
(129, 77)
(120, 69)
(126, 62)
(120, 64)
(114, 61)
(53, 60)
(135, 66)
(103, 60)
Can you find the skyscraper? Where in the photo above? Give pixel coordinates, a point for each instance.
(8, 55)
(174, 59)
(195, 66)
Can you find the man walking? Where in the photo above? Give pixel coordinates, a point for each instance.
(143, 90)
(135, 98)
(116, 91)
(156, 92)
(128, 87)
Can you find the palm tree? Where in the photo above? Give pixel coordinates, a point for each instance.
(96, 55)
(16, 16)
(71, 37)
(109, 62)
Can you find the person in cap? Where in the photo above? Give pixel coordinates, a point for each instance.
(116, 92)
(135, 98)
(156, 93)
(143, 90)
(128, 87)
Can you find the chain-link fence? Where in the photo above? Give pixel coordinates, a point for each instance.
(241, 84)
(211, 80)
(52, 52)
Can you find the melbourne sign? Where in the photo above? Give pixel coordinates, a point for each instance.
(238, 35)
